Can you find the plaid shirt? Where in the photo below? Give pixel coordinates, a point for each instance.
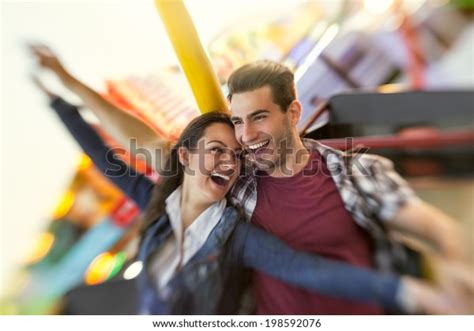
(370, 188)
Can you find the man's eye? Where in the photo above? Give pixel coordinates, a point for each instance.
(237, 123)
(261, 117)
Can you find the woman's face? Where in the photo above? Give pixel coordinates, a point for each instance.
(214, 165)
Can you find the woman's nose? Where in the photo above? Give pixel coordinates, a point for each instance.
(229, 164)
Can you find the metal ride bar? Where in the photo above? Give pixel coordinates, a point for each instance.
(425, 141)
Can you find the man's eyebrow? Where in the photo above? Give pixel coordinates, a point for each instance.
(255, 113)
(258, 112)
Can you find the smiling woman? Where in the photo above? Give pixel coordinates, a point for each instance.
(198, 163)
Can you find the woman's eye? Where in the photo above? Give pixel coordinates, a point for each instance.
(217, 150)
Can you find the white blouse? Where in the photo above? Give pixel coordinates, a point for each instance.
(165, 262)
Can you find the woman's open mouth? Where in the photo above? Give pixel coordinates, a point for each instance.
(220, 179)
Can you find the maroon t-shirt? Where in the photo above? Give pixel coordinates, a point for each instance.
(307, 212)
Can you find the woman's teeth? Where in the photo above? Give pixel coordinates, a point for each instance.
(221, 175)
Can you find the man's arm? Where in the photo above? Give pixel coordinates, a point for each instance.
(389, 197)
(121, 125)
(446, 256)
(424, 221)
(420, 225)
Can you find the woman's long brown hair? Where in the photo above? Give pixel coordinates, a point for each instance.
(172, 175)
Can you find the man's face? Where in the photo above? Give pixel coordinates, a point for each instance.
(262, 128)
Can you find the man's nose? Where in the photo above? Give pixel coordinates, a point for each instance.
(249, 134)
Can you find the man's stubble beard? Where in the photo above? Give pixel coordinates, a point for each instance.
(283, 146)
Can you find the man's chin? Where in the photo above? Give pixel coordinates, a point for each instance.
(265, 165)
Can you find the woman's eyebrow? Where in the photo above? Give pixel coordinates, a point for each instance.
(216, 141)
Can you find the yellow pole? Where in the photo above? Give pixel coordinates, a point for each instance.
(191, 55)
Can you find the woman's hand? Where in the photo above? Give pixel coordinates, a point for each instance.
(455, 278)
(417, 296)
(48, 60)
(43, 88)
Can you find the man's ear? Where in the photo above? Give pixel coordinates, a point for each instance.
(294, 112)
(183, 156)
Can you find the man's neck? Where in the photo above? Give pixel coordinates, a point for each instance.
(295, 161)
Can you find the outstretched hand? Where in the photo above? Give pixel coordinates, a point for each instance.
(47, 59)
(455, 278)
(37, 81)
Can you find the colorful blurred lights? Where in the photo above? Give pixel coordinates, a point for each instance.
(104, 267)
(133, 270)
(43, 245)
(378, 6)
(64, 206)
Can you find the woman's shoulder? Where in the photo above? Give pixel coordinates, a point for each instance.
(230, 211)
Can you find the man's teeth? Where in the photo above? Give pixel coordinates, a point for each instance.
(221, 176)
(258, 145)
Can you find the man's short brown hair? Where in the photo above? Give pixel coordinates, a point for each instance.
(258, 74)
